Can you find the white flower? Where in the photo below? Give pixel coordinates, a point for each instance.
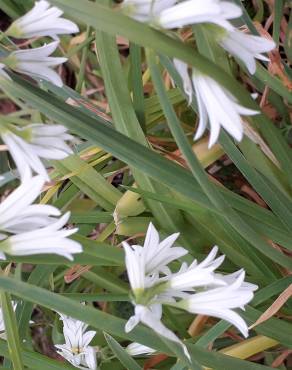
(18, 215)
(41, 20)
(142, 269)
(76, 349)
(220, 302)
(145, 10)
(3, 74)
(215, 104)
(220, 107)
(246, 47)
(51, 239)
(157, 255)
(37, 63)
(137, 349)
(197, 275)
(197, 288)
(27, 145)
(198, 11)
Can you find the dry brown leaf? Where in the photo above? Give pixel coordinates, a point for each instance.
(122, 41)
(78, 39)
(75, 272)
(254, 136)
(253, 195)
(197, 325)
(275, 307)
(280, 359)
(275, 66)
(153, 361)
(89, 106)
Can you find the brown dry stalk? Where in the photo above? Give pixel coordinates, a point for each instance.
(275, 307)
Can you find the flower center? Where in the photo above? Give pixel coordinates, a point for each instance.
(145, 296)
(76, 350)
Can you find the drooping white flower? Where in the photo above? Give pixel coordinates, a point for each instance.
(41, 20)
(18, 214)
(190, 12)
(221, 302)
(220, 107)
(76, 348)
(246, 47)
(137, 349)
(27, 145)
(215, 104)
(151, 317)
(37, 63)
(145, 10)
(51, 239)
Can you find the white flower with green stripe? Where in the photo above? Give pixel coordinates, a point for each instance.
(76, 348)
(27, 228)
(193, 288)
(36, 63)
(41, 20)
(27, 145)
(216, 105)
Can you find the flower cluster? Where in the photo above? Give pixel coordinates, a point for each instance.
(76, 349)
(215, 104)
(27, 228)
(41, 20)
(196, 288)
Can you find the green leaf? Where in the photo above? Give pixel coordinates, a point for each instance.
(89, 181)
(125, 121)
(11, 331)
(39, 277)
(229, 214)
(121, 354)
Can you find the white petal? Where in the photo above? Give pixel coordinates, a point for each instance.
(247, 47)
(36, 62)
(135, 267)
(131, 323)
(136, 349)
(147, 318)
(36, 53)
(90, 358)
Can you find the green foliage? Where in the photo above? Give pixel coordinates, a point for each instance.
(136, 162)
